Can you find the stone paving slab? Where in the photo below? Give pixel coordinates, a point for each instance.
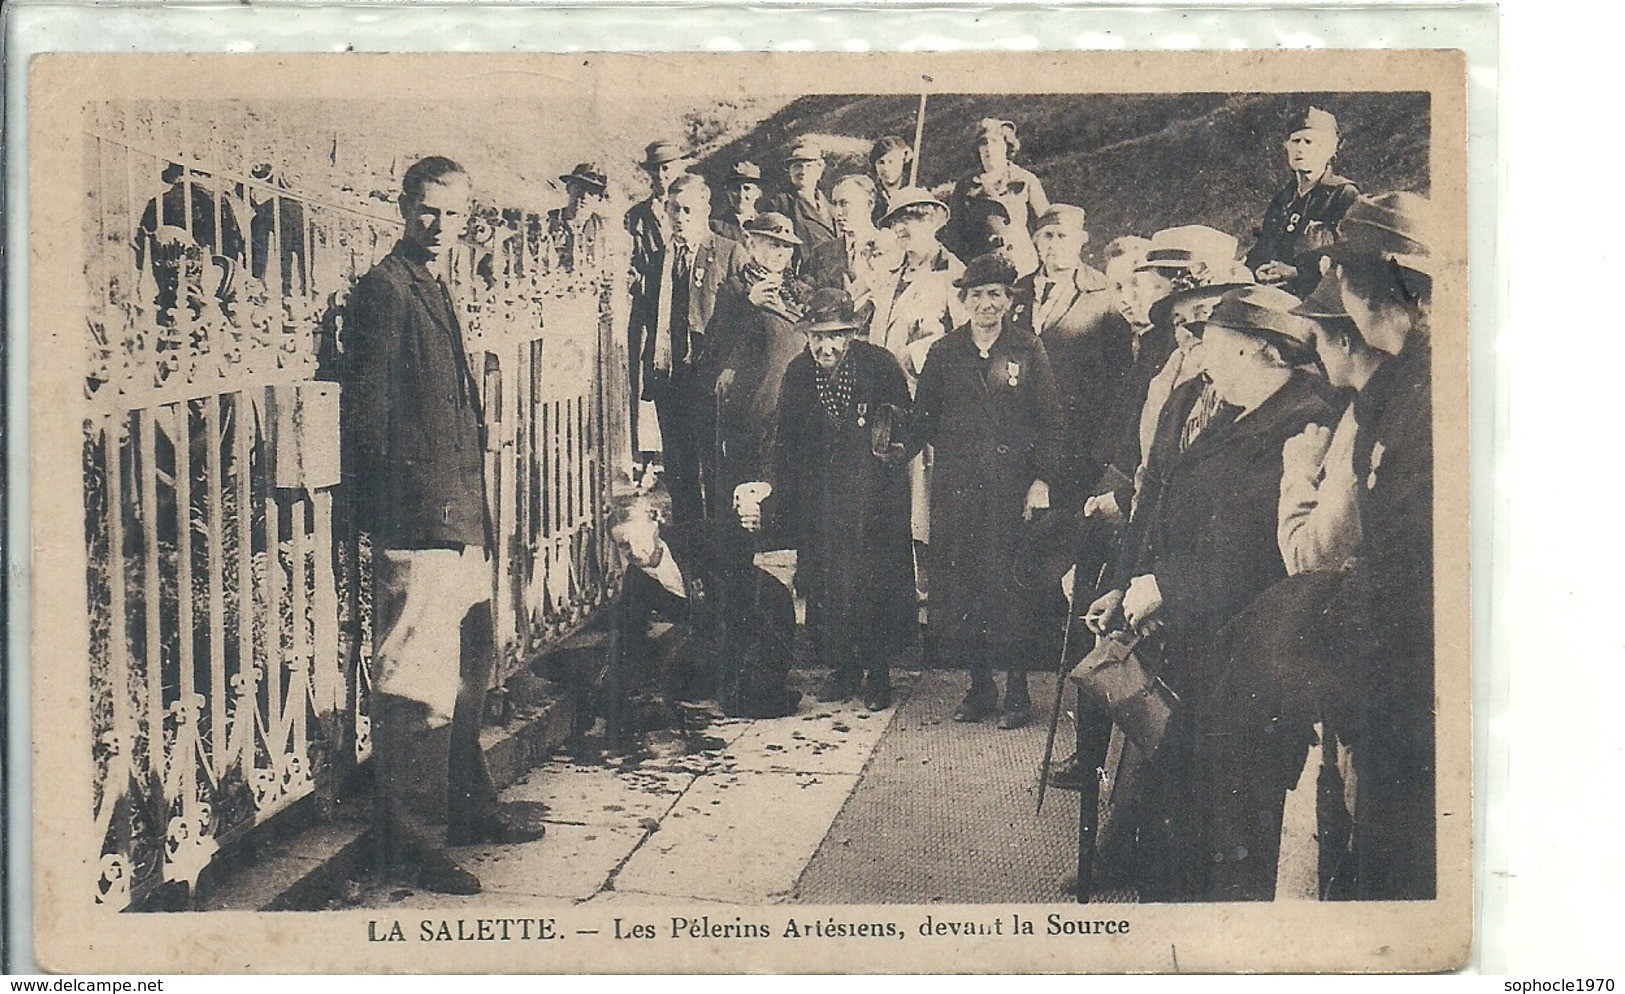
(570, 861)
(579, 794)
(828, 738)
(742, 837)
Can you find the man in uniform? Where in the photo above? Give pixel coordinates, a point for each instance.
(415, 453)
(1301, 219)
(648, 223)
(807, 208)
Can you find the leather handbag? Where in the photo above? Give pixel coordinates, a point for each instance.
(1139, 703)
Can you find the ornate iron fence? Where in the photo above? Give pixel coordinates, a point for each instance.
(228, 596)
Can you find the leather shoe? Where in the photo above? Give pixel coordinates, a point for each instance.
(840, 685)
(493, 827)
(877, 693)
(977, 705)
(1067, 774)
(1016, 715)
(438, 873)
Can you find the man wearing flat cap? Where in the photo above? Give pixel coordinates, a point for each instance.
(1067, 305)
(1209, 550)
(649, 223)
(839, 496)
(741, 192)
(987, 404)
(808, 209)
(574, 230)
(1302, 217)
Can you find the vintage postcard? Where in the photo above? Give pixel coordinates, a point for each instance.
(975, 512)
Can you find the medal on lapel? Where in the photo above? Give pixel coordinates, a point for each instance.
(1292, 222)
(1376, 464)
(863, 414)
(1012, 371)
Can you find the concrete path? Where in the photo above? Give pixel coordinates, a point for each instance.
(733, 814)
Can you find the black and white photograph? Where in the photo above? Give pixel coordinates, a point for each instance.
(803, 512)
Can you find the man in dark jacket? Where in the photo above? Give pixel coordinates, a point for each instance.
(809, 210)
(840, 498)
(1066, 304)
(1301, 219)
(649, 224)
(415, 448)
(1384, 262)
(735, 623)
(987, 404)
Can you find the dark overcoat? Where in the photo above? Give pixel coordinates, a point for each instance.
(1393, 727)
(412, 423)
(843, 508)
(1211, 534)
(1088, 344)
(757, 344)
(995, 426)
(815, 225)
(1296, 229)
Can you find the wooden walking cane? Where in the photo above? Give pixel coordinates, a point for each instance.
(1060, 680)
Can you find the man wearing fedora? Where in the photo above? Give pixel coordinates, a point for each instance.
(574, 230)
(741, 192)
(648, 223)
(1302, 217)
(415, 456)
(749, 341)
(1384, 262)
(988, 406)
(808, 209)
(840, 498)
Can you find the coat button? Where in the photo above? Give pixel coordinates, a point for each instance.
(1003, 450)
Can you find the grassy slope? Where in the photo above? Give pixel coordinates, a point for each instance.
(1136, 162)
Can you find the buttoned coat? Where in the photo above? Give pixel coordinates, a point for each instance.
(995, 426)
(815, 225)
(412, 421)
(842, 507)
(1211, 531)
(1088, 345)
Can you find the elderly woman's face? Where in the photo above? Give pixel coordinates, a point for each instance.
(987, 304)
(771, 253)
(1234, 361)
(828, 347)
(889, 167)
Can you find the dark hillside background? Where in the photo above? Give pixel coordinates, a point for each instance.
(1135, 162)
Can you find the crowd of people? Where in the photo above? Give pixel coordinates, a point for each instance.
(984, 449)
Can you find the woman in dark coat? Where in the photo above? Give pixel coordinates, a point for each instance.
(841, 499)
(1211, 548)
(987, 404)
